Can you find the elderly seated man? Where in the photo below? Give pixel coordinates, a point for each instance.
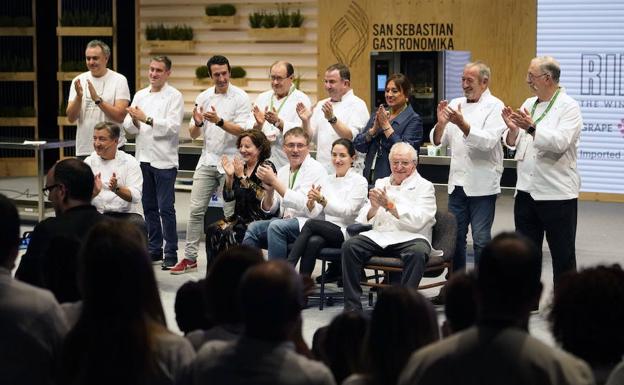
(118, 179)
(401, 209)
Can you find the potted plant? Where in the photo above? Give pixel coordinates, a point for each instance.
(85, 22)
(176, 39)
(255, 19)
(221, 16)
(237, 76)
(280, 26)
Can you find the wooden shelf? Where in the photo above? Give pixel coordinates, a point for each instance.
(18, 76)
(18, 167)
(63, 121)
(222, 22)
(17, 31)
(170, 46)
(277, 34)
(84, 31)
(18, 121)
(66, 76)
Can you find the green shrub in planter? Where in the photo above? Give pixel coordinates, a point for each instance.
(202, 72)
(283, 18)
(269, 20)
(296, 19)
(17, 21)
(73, 66)
(227, 10)
(255, 19)
(237, 72)
(160, 32)
(212, 10)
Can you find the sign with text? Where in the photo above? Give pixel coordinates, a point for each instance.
(412, 37)
(588, 41)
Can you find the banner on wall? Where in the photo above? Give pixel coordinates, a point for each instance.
(587, 39)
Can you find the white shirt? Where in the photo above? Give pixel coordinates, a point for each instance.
(477, 159)
(110, 87)
(416, 205)
(352, 112)
(293, 203)
(547, 164)
(233, 106)
(345, 197)
(287, 111)
(128, 173)
(158, 144)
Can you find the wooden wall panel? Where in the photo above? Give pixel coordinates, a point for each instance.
(501, 33)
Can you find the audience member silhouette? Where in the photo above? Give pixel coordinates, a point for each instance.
(120, 336)
(587, 317)
(222, 306)
(460, 308)
(402, 321)
(342, 346)
(499, 349)
(190, 307)
(32, 325)
(271, 297)
(50, 261)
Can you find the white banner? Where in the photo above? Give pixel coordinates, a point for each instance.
(587, 38)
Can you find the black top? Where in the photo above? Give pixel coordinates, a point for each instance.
(248, 193)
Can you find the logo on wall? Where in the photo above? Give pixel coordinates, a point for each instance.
(348, 37)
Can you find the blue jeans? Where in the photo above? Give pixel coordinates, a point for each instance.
(158, 206)
(478, 212)
(274, 234)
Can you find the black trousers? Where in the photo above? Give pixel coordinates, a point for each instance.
(358, 250)
(315, 235)
(555, 218)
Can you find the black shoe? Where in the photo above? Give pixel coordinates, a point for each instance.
(157, 258)
(169, 262)
(332, 274)
(438, 300)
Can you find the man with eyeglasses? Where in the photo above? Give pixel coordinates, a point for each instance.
(286, 194)
(220, 115)
(472, 127)
(50, 260)
(342, 115)
(275, 110)
(401, 212)
(545, 133)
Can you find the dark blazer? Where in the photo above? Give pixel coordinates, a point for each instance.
(51, 259)
(407, 128)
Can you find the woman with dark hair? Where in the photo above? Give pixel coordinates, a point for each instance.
(242, 190)
(342, 345)
(340, 198)
(120, 336)
(402, 322)
(396, 122)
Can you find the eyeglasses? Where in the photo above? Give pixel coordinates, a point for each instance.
(299, 146)
(532, 77)
(46, 190)
(403, 163)
(278, 79)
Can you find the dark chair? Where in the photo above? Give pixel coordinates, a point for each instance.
(443, 238)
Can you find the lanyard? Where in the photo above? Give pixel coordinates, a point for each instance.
(292, 178)
(292, 88)
(552, 101)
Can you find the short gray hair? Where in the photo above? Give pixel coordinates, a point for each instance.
(404, 148)
(549, 65)
(99, 43)
(484, 69)
(112, 128)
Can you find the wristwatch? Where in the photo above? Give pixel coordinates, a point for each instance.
(221, 122)
(98, 101)
(530, 130)
(332, 120)
(149, 121)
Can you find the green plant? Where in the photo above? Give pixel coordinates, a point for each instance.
(297, 81)
(269, 20)
(19, 112)
(237, 72)
(283, 18)
(73, 66)
(296, 19)
(85, 18)
(202, 72)
(160, 32)
(18, 21)
(13, 63)
(212, 10)
(227, 10)
(255, 19)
